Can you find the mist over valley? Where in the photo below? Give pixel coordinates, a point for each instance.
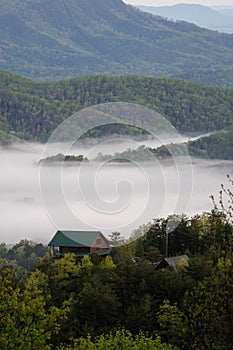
(122, 188)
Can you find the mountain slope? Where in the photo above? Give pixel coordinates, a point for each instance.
(33, 110)
(56, 39)
(198, 14)
(216, 146)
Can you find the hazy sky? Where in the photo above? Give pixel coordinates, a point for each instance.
(172, 2)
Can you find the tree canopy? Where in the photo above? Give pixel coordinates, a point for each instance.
(31, 110)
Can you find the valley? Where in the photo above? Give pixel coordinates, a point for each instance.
(116, 153)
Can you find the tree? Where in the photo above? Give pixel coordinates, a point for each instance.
(25, 322)
(108, 263)
(119, 340)
(172, 322)
(102, 316)
(225, 205)
(26, 253)
(115, 239)
(3, 250)
(209, 310)
(224, 211)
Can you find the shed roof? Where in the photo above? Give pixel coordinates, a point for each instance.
(74, 238)
(173, 260)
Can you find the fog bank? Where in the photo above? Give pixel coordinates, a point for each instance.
(104, 197)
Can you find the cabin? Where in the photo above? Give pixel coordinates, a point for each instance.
(176, 262)
(80, 243)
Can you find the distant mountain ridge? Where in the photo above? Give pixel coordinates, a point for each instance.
(57, 39)
(200, 15)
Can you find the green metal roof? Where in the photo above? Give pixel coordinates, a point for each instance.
(74, 238)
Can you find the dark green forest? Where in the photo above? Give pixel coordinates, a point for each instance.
(31, 110)
(51, 40)
(124, 302)
(216, 146)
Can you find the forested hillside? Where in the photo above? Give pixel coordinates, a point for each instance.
(56, 39)
(31, 110)
(219, 145)
(123, 302)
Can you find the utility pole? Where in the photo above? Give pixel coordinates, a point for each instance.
(166, 243)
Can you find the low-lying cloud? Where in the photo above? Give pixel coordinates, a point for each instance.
(23, 214)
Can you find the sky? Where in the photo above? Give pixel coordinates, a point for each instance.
(173, 2)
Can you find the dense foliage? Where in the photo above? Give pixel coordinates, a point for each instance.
(216, 146)
(33, 110)
(26, 321)
(24, 254)
(219, 145)
(121, 340)
(124, 302)
(50, 40)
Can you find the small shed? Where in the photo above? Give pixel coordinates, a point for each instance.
(176, 262)
(80, 243)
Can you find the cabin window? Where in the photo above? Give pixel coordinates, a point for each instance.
(98, 241)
